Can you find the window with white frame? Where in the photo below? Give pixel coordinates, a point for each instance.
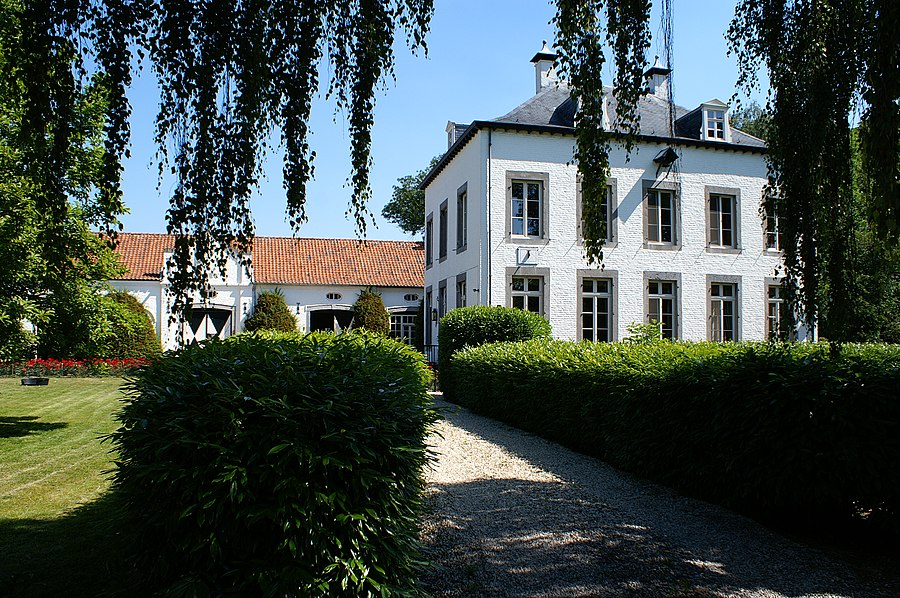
(461, 293)
(660, 216)
(442, 231)
(528, 293)
(661, 303)
(722, 216)
(772, 235)
(462, 214)
(774, 303)
(715, 124)
(527, 206)
(722, 326)
(442, 299)
(429, 240)
(596, 309)
(403, 326)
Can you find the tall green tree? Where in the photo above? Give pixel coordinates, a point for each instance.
(52, 285)
(826, 61)
(406, 208)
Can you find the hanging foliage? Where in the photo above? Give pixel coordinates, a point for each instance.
(827, 62)
(585, 31)
(231, 73)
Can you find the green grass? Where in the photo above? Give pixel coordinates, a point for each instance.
(60, 530)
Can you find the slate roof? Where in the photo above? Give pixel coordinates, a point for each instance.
(284, 260)
(552, 110)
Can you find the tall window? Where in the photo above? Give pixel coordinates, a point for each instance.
(527, 200)
(715, 124)
(428, 324)
(660, 216)
(460, 293)
(596, 316)
(528, 293)
(429, 240)
(721, 220)
(462, 216)
(442, 244)
(774, 302)
(721, 312)
(773, 236)
(442, 300)
(661, 303)
(402, 326)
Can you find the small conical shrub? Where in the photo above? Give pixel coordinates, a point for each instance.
(370, 313)
(271, 313)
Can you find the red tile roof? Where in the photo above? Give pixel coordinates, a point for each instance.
(284, 260)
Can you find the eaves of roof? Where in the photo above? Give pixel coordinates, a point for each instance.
(477, 125)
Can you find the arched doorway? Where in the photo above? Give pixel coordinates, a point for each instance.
(330, 319)
(206, 322)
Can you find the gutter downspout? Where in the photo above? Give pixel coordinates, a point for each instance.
(488, 216)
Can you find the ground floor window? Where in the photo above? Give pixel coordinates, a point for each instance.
(333, 320)
(774, 302)
(722, 312)
(596, 312)
(661, 304)
(528, 293)
(402, 326)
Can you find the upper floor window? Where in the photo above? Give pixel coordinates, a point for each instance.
(442, 232)
(722, 311)
(715, 124)
(770, 224)
(722, 220)
(607, 209)
(660, 223)
(462, 216)
(527, 208)
(429, 240)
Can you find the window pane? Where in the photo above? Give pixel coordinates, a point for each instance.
(654, 287)
(587, 320)
(518, 301)
(518, 284)
(518, 226)
(602, 286)
(587, 334)
(533, 192)
(534, 284)
(666, 288)
(534, 227)
(518, 191)
(534, 304)
(587, 285)
(518, 208)
(587, 305)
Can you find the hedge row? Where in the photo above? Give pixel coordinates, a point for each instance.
(278, 465)
(479, 324)
(780, 431)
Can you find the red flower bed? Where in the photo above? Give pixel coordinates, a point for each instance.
(72, 367)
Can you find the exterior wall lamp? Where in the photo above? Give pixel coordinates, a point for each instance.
(434, 314)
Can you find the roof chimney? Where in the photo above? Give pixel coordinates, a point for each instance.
(544, 73)
(658, 80)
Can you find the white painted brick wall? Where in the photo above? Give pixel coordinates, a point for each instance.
(563, 255)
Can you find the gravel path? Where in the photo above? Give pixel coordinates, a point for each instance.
(514, 515)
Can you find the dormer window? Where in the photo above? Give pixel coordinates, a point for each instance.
(715, 124)
(715, 121)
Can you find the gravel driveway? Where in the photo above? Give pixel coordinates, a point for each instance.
(514, 515)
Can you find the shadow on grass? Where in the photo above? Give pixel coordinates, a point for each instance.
(25, 425)
(84, 553)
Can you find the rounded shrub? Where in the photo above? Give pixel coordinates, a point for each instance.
(132, 334)
(278, 465)
(271, 313)
(369, 313)
(480, 324)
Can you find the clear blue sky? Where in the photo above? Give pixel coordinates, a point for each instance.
(477, 68)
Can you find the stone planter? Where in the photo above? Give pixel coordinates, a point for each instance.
(35, 381)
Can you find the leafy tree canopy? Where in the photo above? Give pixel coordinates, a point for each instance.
(406, 208)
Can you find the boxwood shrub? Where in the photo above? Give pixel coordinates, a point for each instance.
(785, 432)
(278, 464)
(480, 324)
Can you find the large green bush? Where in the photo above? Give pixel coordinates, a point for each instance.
(131, 333)
(788, 432)
(271, 313)
(278, 465)
(479, 324)
(369, 313)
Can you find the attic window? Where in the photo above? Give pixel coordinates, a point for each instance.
(715, 124)
(410, 297)
(333, 296)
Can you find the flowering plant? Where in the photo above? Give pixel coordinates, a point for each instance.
(72, 367)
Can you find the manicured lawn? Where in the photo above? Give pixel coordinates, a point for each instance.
(60, 531)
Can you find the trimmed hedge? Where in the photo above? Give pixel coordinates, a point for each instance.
(271, 313)
(278, 464)
(785, 432)
(479, 324)
(369, 313)
(132, 333)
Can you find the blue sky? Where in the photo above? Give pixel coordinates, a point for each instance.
(477, 68)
